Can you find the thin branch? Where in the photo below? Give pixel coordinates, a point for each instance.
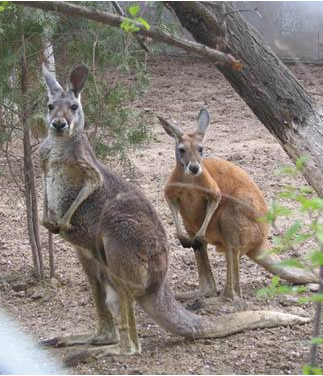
(13, 175)
(153, 33)
(9, 108)
(121, 12)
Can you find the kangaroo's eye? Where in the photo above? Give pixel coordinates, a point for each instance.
(51, 107)
(181, 150)
(74, 107)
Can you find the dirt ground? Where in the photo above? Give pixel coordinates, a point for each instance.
(178, 87)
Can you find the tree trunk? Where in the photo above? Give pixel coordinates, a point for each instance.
(49, 59)
(29, 175)
(268, 87)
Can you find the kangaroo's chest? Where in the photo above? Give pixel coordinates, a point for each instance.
(192, 209)
(62, 184)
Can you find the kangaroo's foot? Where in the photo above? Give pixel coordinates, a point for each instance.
(81, 339)
(92, 354)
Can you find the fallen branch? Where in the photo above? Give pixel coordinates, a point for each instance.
(68, 9)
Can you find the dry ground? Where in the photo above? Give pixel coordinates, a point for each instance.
(178, 87)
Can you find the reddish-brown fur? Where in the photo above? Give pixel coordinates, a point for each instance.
(220, 205)
(239, 196)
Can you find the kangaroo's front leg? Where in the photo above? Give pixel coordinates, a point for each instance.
(93, 180)
(200, 235)
(173, 206)
(46, 222)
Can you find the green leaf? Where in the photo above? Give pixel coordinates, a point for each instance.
(316, 258)
(283, 289)
(263, 293)
(317, 298)
(315, 203)
(134, 9)
(293, 229)
(285, 170)
(299, 289)
(310, 370)
(304, 299)
(291, 262)
(317, 341)
(306, 190)
(286, 194)
(275, 281)
(300, 238)
(300, 163)
(129, 26)
(4, 5)
(143, 22)
(319, 233)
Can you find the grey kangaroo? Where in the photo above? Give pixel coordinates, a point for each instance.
(119, 239)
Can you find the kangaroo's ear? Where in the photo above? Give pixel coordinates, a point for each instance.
(52, 85)
(78, 77)
(202, 122)
(170, 128)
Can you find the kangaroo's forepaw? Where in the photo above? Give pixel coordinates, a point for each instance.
(65, 226)
(51, 226)
(197, 243)
(186, 242)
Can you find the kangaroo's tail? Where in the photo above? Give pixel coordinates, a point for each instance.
(173, 317)
(271, 263)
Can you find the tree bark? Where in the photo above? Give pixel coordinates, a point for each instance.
(268, 87)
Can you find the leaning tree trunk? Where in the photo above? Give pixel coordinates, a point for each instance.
(268, 87)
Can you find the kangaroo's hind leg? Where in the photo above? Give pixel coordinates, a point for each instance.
(106, 332)
(129, 342)
(207, 286)
(232, 288)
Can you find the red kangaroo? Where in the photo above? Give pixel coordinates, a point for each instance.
(220, 205)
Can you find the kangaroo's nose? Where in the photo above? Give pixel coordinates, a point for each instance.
(59, 124)
(194, 168)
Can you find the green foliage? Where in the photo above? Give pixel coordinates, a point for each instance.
(4, 5)
(111, 125)
(309, 370)
(132, 25)
(307, 230)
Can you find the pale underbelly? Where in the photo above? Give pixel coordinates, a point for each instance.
(60, 195)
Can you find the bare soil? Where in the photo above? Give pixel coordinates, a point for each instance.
(179, 86)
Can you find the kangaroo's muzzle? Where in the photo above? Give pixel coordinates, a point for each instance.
(194, 168)
(59, 124)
